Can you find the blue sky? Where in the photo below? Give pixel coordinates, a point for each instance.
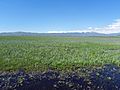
(59, 15)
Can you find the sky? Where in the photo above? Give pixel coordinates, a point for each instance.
(57, 16)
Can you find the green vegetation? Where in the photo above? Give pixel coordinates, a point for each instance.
(57, 53)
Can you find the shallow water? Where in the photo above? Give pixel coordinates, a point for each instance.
(106, 78)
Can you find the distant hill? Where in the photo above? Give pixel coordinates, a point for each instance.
(74, 34)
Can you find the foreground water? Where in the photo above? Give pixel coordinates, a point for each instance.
(105, 78)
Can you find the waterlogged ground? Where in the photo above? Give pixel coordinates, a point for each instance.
(104, 78)
(59, 63)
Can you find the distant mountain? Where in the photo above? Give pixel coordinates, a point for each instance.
(74, 34)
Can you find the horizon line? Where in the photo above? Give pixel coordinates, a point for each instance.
(57, 32)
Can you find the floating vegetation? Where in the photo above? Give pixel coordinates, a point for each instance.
(107, 79)
(62, 63)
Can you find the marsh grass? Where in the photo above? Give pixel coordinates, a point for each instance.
(57, 53)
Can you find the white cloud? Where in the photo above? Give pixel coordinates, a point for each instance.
(80, 31)
(112, 28)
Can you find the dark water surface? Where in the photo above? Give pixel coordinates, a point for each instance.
(106, 78)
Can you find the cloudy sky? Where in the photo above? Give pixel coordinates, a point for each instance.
(57, 16)
(111, 28)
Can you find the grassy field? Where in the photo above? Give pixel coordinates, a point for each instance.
(57, 53)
